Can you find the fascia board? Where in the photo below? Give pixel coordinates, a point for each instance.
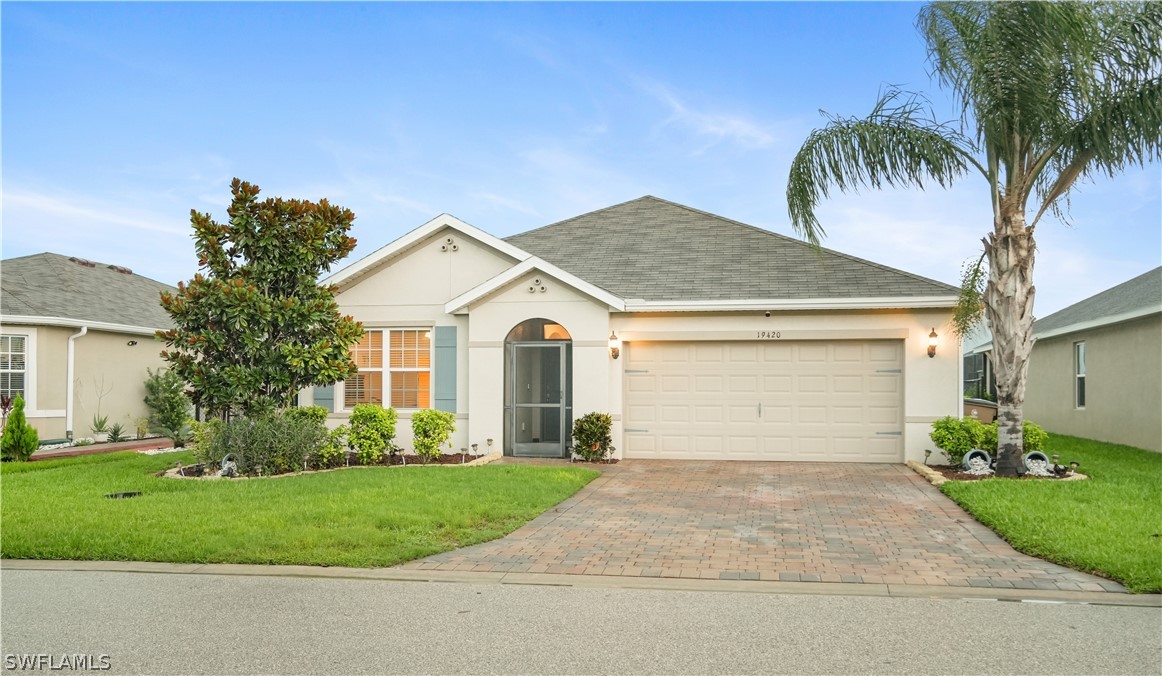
(758, 304)
(27, 320)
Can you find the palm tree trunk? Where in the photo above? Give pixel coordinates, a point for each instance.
(1009, 310)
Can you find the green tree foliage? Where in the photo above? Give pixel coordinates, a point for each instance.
(1050, 93)
(256, 327)
(430, 431)
(20, 439)
(169, 408)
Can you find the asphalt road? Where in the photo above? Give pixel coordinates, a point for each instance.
(210, 624)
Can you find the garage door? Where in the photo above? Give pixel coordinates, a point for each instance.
(838, 401)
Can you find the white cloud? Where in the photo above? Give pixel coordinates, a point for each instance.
(33, 207)
(714, 127)
(505, 202)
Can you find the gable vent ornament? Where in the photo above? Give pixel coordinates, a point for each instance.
(537, 286)
(449, 245)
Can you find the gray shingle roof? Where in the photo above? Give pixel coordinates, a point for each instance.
(52, 285)
(656, 250)
(1143, 292)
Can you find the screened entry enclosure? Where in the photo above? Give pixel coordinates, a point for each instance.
(538, 390)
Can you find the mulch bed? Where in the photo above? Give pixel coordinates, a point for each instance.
(957, 474)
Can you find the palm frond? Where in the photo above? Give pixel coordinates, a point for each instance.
(969, 312)
(897, 144)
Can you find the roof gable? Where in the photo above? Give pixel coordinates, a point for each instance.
(371, 262)
(654, 250)
(52, 286)
(460, 303)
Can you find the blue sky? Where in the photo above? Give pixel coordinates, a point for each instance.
(117, 119)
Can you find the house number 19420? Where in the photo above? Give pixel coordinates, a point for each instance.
(769, 335)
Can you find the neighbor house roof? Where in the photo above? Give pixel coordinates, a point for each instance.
(1138, 297)
(657, 251)
(63, 290)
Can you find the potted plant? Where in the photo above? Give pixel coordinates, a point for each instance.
(100, 428)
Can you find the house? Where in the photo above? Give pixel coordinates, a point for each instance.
(703, 337)
(1096, 367)
(76, 338)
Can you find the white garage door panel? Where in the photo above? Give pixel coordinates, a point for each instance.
(830, 401)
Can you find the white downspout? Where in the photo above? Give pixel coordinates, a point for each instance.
(69, 384)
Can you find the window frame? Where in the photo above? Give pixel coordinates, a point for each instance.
(30, 401)
(387, 371)
(1079, 376)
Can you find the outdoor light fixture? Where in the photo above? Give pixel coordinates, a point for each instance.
(932, 343)
(614, 345)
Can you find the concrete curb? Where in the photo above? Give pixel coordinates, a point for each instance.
(935, 478)
(596, 581)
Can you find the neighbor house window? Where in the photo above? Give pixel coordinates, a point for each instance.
(1079, 374)
(401, 378)
(13, 365)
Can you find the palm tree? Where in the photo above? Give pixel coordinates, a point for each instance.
(1049, 93)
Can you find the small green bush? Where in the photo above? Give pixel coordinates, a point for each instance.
(957, 436)
(330, 452)
(169, 408)
(372, 432)
(317, 414)
(430, 431)
(20, 439)
(1035, 437)
(592, 436)
(272, 444)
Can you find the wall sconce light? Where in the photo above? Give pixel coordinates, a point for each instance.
(614, 345)
(131, 343)
(932, 343)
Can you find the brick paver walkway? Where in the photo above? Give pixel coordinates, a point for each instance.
(809, 522)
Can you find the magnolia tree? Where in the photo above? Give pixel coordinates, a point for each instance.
(1050, 93)
(256, 327)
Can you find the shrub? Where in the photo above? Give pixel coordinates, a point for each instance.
(20, 439)
(1035, 437)
(169, 408)
(316, 414)
(274, 443)
(372, 431)
(430, 431)
(117, 433)
(957, 436)
(330, 452)
(141, 426)
(592, 437)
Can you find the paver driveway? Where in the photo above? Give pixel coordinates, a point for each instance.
(818, 522)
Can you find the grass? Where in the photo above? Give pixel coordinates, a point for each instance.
(363, 517)
(1110, 525)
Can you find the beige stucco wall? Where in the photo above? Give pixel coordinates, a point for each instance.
(1123, 384)
(410, 291)
(107, 371)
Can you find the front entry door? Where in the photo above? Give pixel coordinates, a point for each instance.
(538, 417)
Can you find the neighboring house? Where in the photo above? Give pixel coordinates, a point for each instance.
(1096, 366)
(703, 337)
(76, 338)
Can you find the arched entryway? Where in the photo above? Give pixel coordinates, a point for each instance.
(538, 389)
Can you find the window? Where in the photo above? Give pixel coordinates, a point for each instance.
(1079, 374)
(404, 377)
(13, 365)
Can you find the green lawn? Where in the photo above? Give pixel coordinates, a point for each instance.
(366, 517)
(1110, 525)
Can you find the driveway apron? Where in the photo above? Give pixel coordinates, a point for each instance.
(807, 522)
